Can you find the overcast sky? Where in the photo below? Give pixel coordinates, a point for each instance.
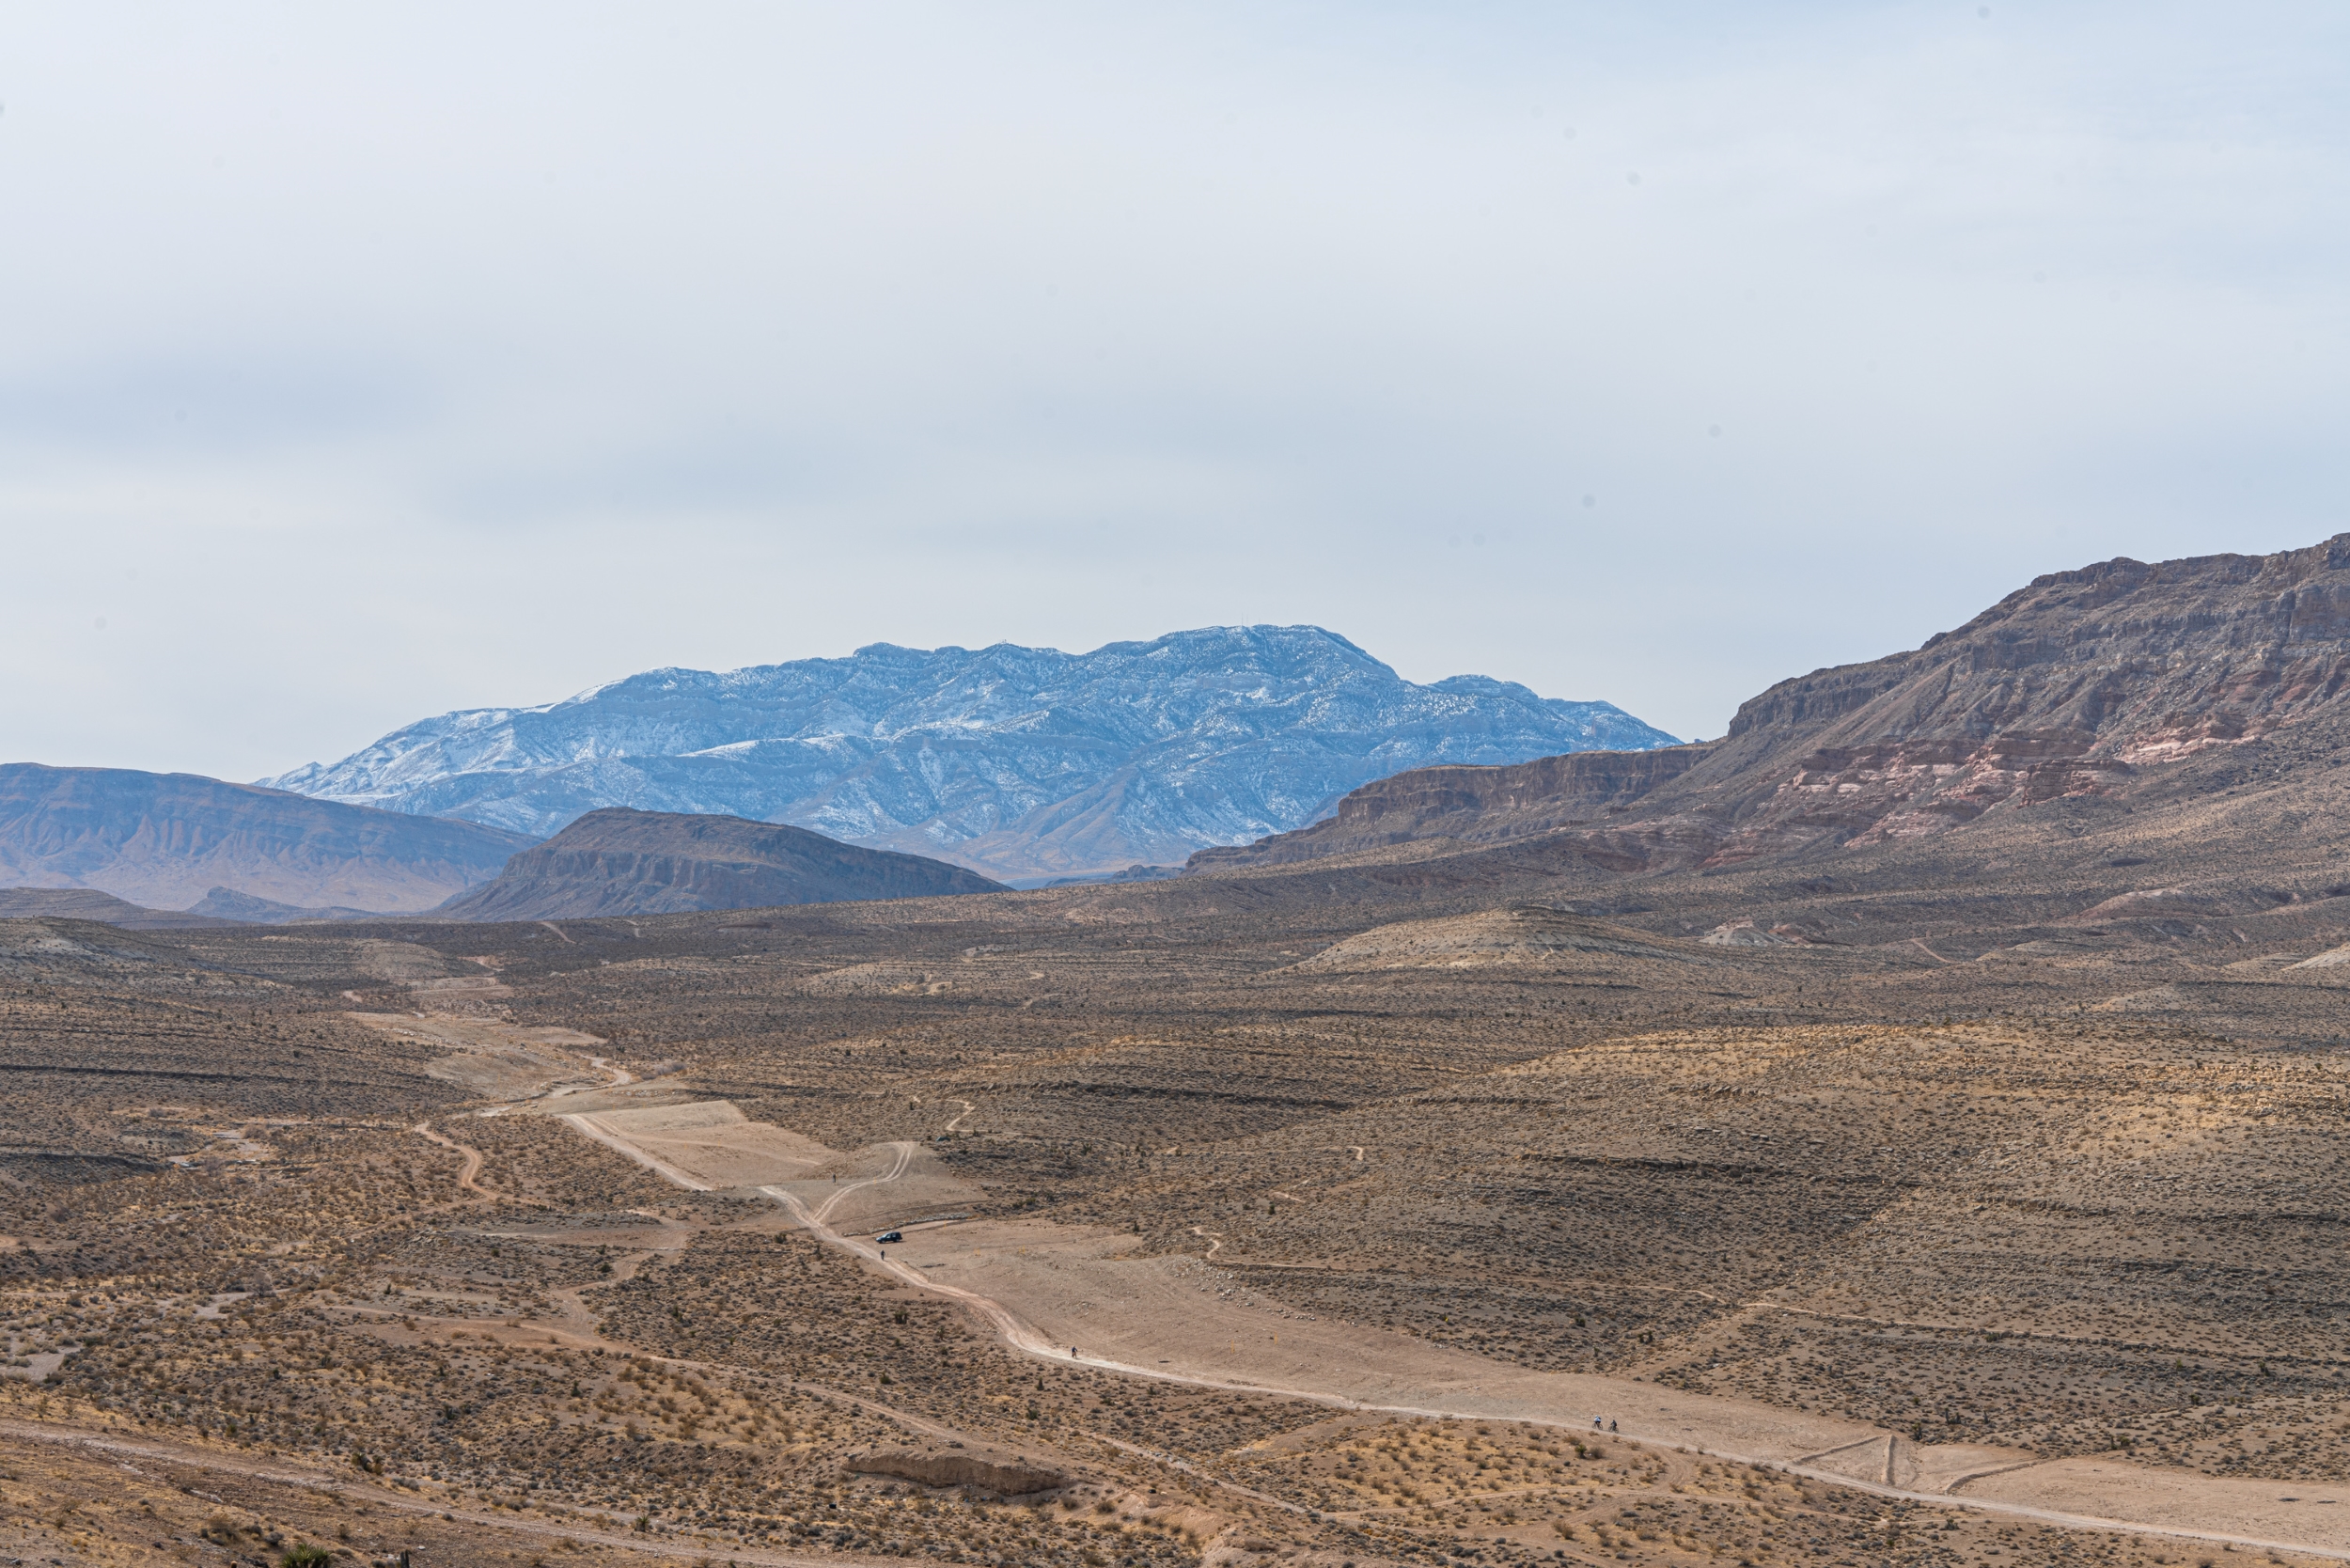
(362, 363)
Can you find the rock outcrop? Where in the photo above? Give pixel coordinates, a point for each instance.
(618, 861)
(1013, 1475)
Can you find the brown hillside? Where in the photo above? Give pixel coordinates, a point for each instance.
(620, 861)
(1473, 804)
(2090, 685)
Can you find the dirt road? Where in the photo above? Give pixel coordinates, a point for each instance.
(1062, 1294)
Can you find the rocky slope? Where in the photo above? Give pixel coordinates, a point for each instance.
(1022, 762)
(2084, 686)
(620, 861)
(166, 841)
(1472, 805)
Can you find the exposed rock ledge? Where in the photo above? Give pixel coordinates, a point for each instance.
(942, 1467)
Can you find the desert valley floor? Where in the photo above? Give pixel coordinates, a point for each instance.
(1458, 1209)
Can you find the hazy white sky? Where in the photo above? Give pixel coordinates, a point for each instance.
(361, 363)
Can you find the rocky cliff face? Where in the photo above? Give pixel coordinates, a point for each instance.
(2073, 685)
(2084, 684)
(620, 861)
(1023, 763)
(166, 841)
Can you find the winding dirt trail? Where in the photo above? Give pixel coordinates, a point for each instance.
(466, 1181)
(1009, 1324)
(571, 1302)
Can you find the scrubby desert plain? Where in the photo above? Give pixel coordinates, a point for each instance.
(1907, 1215)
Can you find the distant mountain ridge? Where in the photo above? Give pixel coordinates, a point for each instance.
(87, 903)
(2084, 686)
(620, 861)
(166, 841)
(1020, 762)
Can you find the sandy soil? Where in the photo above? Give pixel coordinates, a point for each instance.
(497, 1059)
(1064, 1293)
(886, 1187)
(704, 1145)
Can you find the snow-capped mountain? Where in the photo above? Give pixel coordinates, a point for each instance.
(1023, 763)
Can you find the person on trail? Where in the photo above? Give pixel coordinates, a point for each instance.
(1611, 1426)
(1595, 1423)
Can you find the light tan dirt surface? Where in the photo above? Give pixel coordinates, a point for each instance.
(710, 1142)
(883, 1187)
(493, 1057)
